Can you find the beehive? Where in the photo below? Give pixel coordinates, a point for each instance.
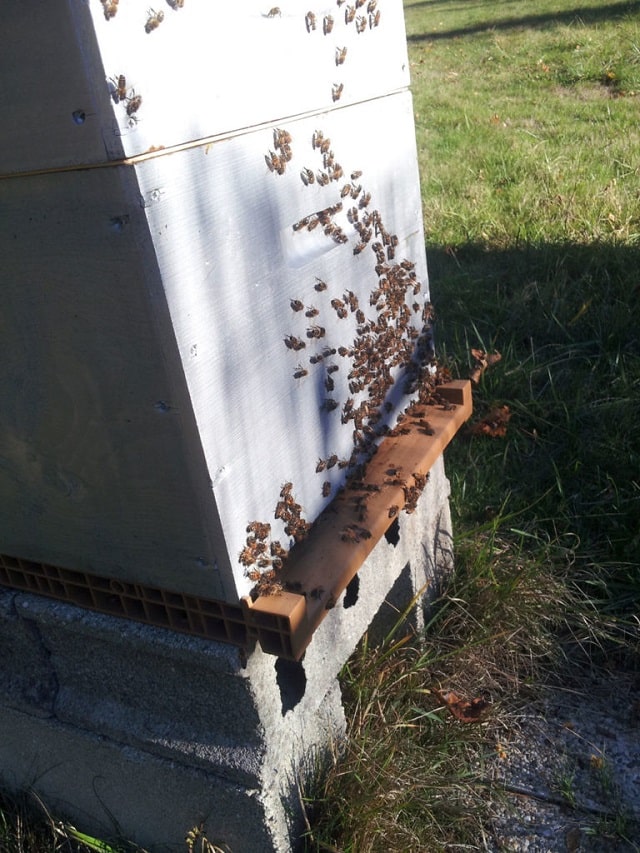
(214, 278)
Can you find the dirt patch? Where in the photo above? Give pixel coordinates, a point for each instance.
(569, 769)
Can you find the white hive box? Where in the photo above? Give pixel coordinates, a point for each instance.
(156, 393)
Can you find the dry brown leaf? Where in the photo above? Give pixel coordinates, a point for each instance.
(494, 424)
(465, 710)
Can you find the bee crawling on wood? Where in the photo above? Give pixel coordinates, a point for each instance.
(110, 8)
(133, 105)
(119, 92)
(294, 343)
(153, 21)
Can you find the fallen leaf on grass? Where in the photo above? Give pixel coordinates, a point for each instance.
(482, 360)
(494, 424)
(465, 710)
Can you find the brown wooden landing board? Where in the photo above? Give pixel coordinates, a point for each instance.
(316, 573)
(347, 531)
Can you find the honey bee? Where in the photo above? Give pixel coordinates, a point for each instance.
(311, 311)
(332, 368)
(355, 190)
(336, 172)
(296, 305)
(337, 303)
(312, 223)
(326, 489)
(360, 3)
(133, 103)
(320, 285)
(175, 4)
(341, 55)
(310, 21)
(281, 137)
(391, 253)
(275, 163)
(344, 352)
(365, 200)
(327, 24)
(317, 138)
(316, 332)
(327, 352)
(300, 373)
(259, 529)
(274, 12)
(321, 465)
(307, 177)
(374, 20)
(352, 299)
(325, 145)
(316, 359)
(294, 343)
(323, 178)
(329, 405)
(301, 224)
(332, 461)
(359, 248)
(349, 14)
(154, 20)
(329, 384)
(120, 91)
(361, 24)
(336, 91)
(110, 8)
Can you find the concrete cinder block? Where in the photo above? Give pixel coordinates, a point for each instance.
(147, 733)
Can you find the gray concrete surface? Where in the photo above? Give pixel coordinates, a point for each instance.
(136, 731)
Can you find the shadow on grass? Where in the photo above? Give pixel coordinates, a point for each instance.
(583, 14)
(565, 319)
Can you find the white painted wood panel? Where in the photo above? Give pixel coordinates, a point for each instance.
(208, 68)
(231, 263)
(154, 403)
(99, 458)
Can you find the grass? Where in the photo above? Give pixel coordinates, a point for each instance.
(529, 150)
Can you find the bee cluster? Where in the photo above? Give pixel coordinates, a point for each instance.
(263, 557)
(362, 20)
(392, 338)
(277, 160)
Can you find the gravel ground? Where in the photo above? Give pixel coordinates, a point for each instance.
(570, 765)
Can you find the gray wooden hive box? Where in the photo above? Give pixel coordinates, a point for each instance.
(202, 209)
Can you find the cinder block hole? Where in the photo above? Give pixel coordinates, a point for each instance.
(351, 592)
(393, 533)
(292, 682)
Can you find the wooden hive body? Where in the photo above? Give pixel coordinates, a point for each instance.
(153, 259)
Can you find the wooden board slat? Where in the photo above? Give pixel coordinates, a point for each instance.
(207, 69)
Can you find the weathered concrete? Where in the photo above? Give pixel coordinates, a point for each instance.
(138, 731)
